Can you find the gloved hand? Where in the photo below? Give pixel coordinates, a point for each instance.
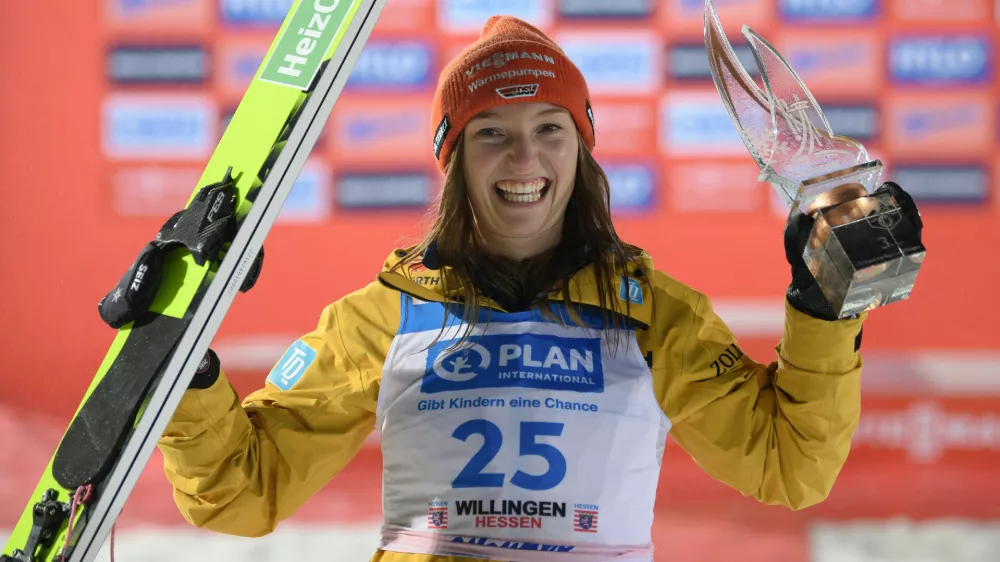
(208, 371)
(803, 292)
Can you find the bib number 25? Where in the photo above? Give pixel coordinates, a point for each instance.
(472, 476)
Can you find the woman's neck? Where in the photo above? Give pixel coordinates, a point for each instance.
(523, 248)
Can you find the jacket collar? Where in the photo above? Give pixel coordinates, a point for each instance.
(632, 291)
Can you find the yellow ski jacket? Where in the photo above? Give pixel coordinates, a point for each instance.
(777, 431)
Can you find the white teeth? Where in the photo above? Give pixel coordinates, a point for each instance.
(522, 198)
(522, 192)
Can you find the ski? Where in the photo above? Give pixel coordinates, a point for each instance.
(190, 271)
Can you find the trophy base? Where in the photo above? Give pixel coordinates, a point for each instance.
(864, 254)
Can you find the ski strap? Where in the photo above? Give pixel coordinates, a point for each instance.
(203, 228)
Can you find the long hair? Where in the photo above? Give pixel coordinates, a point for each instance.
(587, 225)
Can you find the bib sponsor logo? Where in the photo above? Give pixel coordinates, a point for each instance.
(584, 518)
(516, 545)
(509, 514)
(505, 361)
(437, 514)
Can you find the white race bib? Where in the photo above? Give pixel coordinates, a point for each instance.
(532, 437)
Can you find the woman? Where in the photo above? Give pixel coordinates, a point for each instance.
(523, 364)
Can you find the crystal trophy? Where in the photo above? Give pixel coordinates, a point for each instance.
(863, 251)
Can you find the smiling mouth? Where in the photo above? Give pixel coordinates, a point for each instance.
(522, 191)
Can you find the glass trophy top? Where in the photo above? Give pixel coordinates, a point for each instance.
(782, 126)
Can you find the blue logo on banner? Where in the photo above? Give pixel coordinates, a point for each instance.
(472, 14)
(243, 66)
(698, 126)
(828, 10)
(133, 6)
(384, 64)
(958, 59)
(255, 12)
(621, 65)
(364, 129)
(808, 58)
(631, 186)
(307, 200)
(525, 360)
(151, 129)
(921, 123)
(292, 366)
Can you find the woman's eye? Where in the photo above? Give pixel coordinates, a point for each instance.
(488, 132)
(551, 127)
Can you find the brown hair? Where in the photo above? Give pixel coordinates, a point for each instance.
(588, 224)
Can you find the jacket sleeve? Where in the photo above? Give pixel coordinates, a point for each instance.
(241, 468)
(779, 431)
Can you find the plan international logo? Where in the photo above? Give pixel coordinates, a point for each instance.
(505, 361)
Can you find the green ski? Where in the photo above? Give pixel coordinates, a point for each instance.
(170, 303)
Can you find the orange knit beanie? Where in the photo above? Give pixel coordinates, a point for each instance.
(512, 61)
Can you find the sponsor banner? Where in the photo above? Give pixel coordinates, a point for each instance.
(940, 126)
(152, 190)
(167, 127)
(154, 16)
(393, 65)
(711, 186)
(690, 62)
(835, 63)
(696, 123)
(309, 199)
(147, 64)
(828, 11)
(468, 16)
(583, 9)
(264, 13)
(946, 184)
(625, 126)
(632, 187)
(237, 62)
(374, 191)
(941, 60)
(860, 122)
(932, 430)
(939, 11)
(379, 131)
(410, 16)
(685, 18)
(615, 63)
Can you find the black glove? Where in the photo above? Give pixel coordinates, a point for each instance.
(803, 292)
(208, 371)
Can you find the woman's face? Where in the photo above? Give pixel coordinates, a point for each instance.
(520, 167)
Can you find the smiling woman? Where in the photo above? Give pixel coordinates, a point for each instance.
(522, 352)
